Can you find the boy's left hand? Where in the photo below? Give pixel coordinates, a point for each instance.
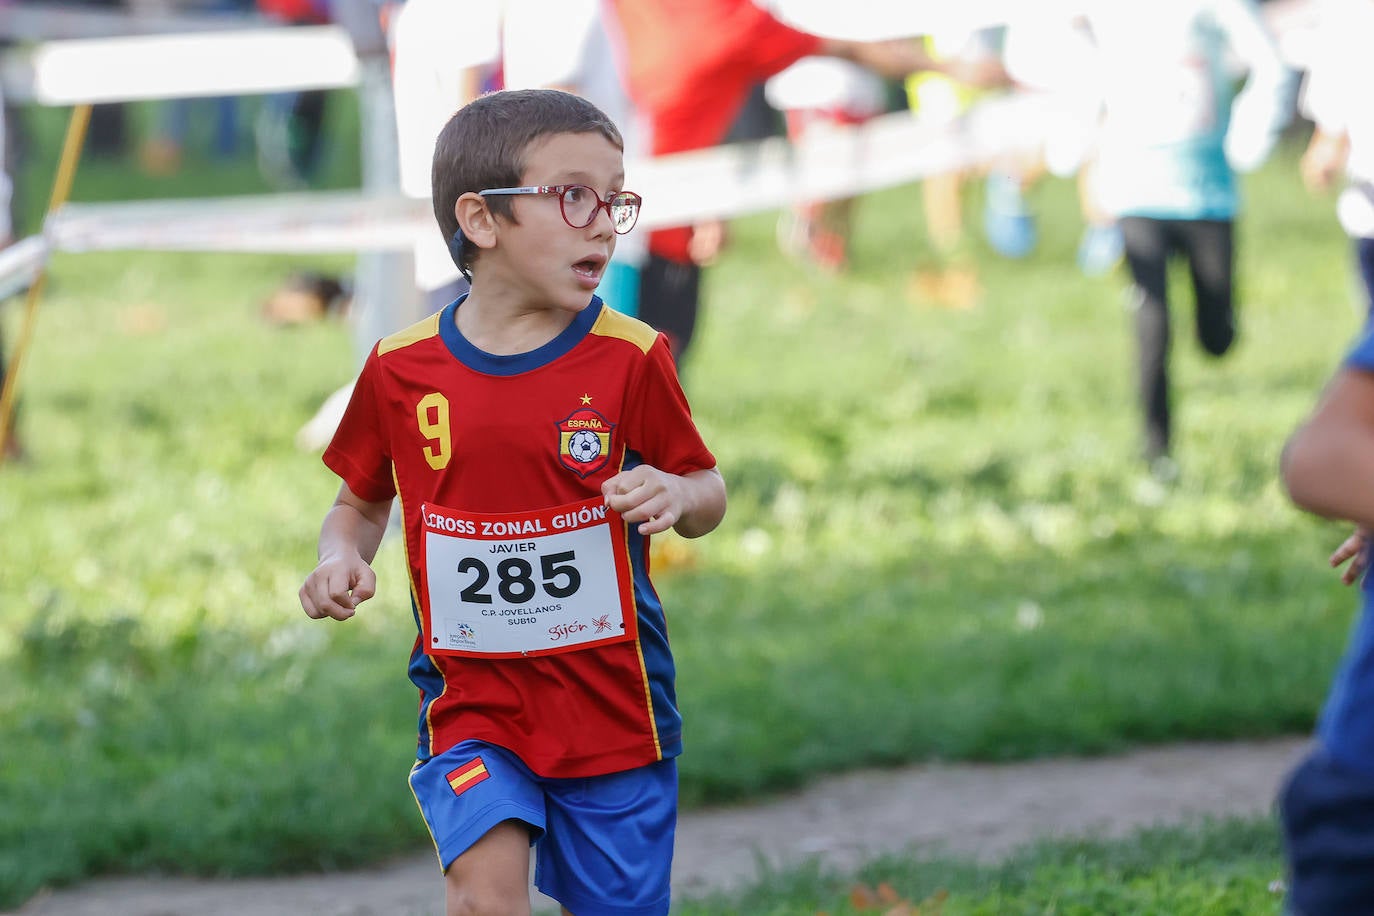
(654, 498)
(1352, 549)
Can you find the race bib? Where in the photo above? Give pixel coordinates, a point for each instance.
(526, 583)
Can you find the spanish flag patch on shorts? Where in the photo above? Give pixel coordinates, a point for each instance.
(467, 776)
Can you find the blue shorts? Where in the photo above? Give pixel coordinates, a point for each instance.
(1327, 811)
(604, 844)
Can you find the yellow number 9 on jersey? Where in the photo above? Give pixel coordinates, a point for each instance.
(432, 416)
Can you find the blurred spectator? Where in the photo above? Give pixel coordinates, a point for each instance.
(290, 126)
(1049, 56)
(289, 135)
(161, 154)
(108, 132)
(445, 53)
(689, 66)
(816, 94)
(937, 99)
(1102, 245)
(1173, 133)
(1336, 98)
(564, 44)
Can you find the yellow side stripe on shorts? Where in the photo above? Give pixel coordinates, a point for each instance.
(467, 776)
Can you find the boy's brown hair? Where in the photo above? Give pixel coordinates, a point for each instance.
(484, 145)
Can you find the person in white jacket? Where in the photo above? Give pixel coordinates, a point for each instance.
(1173, 135)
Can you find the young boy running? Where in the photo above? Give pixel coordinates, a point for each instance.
(1326, 804)
(536, 439)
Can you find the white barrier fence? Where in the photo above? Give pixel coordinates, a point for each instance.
(719, 182)
(142, 67)
(724, 181)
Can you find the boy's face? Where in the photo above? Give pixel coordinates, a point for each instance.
(552, 264)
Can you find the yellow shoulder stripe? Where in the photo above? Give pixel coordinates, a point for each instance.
(421, 330)
(615, 324)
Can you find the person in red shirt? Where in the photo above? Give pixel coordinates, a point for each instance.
(536, 440)
(689, 66)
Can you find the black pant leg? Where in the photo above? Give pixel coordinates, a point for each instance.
(669, 299)
(1147, 247)
(1209, 246)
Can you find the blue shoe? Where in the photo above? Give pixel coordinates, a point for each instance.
(1101, 249)
(1007, 223)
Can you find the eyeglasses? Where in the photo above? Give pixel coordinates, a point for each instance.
(580, 204)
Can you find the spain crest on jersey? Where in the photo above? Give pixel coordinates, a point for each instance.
(584, 442)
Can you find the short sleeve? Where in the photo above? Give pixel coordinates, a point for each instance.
(660, 419)
(359, 452)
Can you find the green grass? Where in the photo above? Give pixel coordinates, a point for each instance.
(940, 543)
(1211, 868)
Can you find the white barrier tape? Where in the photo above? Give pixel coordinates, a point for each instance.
(723, 181)
(304, 223)
(20, 264)
(840, 162)
(239, 62)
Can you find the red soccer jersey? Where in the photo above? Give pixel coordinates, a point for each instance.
(690, 64)
(461, 434)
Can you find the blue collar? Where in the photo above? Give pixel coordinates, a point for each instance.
(491, 364)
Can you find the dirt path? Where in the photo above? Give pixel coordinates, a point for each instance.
(979, 810)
